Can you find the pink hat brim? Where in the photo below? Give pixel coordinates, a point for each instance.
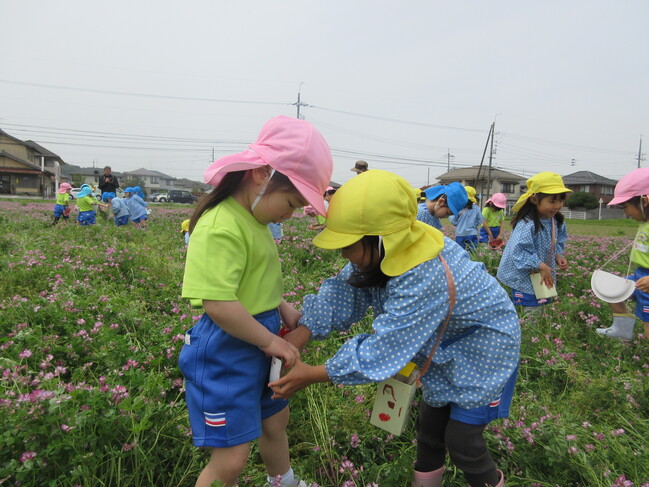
(619, 200)
(249, 159)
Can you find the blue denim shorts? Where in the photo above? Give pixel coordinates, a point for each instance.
(86, 218)
(59, 210)
(641, 298)
(226, 383)
(524, 299)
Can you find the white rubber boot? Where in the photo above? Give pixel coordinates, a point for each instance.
(622, 327)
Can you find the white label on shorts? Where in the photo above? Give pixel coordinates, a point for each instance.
(188, 339)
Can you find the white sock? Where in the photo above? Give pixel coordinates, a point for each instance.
(287, 479)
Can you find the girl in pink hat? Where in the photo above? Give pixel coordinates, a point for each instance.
(632, 194)
(62, 206)
(233, 272)
(494, 216)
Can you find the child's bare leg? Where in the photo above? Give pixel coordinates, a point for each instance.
(273, 443)
(618, 307)
(646, 329)
(225, 465)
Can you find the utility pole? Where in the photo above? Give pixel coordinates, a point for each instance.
(299, 103)
(491, 154)
(448, 159)
(640, 154)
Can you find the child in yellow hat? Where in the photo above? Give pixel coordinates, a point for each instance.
(537, 240)
(409, 273)
(184, 229)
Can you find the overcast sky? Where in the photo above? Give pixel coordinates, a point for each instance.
(165, 85)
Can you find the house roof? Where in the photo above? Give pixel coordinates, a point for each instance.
(587, 177)
(148, 172)
(30, 167)
(467, 173)
(42, 150)
(2, 132)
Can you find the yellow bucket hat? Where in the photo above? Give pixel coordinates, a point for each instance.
(381, 203)
(470, 191)
(543, 182)
(184, 226)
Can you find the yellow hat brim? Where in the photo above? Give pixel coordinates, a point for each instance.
(328, 239)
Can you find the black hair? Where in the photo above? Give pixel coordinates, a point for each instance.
(529, 211)
(469, 204)
(637, 202)
(375, 276)
(492, 206)
(227, 186)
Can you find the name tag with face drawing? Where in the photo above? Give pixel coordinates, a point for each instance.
(393, 400)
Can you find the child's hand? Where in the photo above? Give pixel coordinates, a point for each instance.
(546, 275)
(643, 284)
(282, 349)
(561, 262)
(298, 377)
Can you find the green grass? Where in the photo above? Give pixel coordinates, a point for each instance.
(91, 324)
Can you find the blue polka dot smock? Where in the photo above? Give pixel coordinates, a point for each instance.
(526, 250)
(476, 356)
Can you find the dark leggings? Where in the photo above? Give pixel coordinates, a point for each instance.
(437, 433)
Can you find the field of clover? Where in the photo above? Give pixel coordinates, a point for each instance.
(91, 324)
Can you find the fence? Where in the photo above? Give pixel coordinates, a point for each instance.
(575, 215)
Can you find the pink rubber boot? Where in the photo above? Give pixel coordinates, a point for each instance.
(428, 479)
(502, 479)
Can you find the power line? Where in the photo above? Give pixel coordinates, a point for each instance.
(143, 95)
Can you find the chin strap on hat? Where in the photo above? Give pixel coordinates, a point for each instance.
(261, 193)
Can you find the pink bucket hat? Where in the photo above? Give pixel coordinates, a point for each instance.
(498, 199)
(290, 146)
(636, 183)
(63, 188)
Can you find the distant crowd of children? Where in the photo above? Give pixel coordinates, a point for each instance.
(131, 208)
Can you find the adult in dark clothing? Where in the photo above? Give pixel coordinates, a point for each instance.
(108, 183)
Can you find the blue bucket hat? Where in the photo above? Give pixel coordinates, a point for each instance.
(107, 196)
(129, 190)
(456, 196)
(85, 191)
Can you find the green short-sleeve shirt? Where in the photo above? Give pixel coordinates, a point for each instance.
(640, 249)
(233, 257)
(62, 198)
(493, 217)
(86, 203)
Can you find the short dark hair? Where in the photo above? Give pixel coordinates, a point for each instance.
(107, 167)
(373, 277)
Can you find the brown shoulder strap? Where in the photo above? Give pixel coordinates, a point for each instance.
(451, 304)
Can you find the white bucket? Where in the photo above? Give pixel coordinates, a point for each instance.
(611, 288)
